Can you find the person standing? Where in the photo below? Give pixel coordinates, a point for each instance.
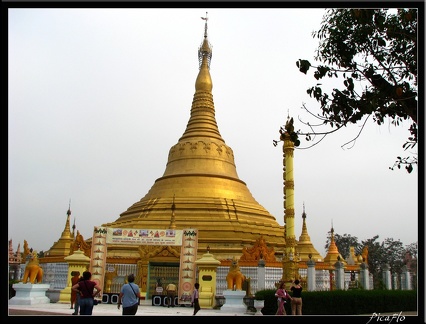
(74, 279)
(282, 296)
(77, 299)
(88, 290)
(296, 300)
(129, 296)
(171, 293)
(194, 298)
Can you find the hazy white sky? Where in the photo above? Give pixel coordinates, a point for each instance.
(97, 97)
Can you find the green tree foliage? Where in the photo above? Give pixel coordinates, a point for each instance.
(377, 258)
(374, 52)
(411, 261)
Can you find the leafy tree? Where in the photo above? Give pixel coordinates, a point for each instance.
(392, 253)
(410, 260)
(412, 250)
(375, 53)
(376, 258)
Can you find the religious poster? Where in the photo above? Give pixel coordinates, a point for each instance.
(99, 251)
(144, 236)
(187, 269)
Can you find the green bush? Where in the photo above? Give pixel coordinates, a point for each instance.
(346, 302)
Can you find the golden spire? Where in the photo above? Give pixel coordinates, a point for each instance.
(67, 232)
(205, 50)
(304, 246)
(69, 214)
(201, 177)
(61, 248)
(304, 236)
(333, 254)
(204, 81)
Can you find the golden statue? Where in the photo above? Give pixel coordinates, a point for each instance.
(235, 278)
(80, 243)
(109, 277)
(365, 254)
(33, 271)
(259, 251)
(289, 127)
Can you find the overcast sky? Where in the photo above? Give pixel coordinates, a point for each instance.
(97, 97)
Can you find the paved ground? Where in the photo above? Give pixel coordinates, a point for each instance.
(145, 309)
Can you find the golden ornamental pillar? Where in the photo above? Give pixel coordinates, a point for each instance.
(207, 274)
(142, 277)
(77, 262)
(290, 257)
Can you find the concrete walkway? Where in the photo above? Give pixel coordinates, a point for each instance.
(145, 309)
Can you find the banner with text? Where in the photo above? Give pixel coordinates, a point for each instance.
(144, 236)
(188, 268)
(98, 259)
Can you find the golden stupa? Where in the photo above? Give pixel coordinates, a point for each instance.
(200, 187)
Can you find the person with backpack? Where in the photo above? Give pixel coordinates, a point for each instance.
(129, 296)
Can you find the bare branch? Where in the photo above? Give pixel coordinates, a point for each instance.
(359, 133)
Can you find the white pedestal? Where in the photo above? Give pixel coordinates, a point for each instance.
(30, 294)
(259, 304)
(234, 301)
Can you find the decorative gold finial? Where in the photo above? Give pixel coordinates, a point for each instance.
(205, 25)
(205, 50)
(205, 17)
(69, 208)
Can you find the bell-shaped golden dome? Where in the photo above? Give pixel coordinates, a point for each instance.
(200, 187)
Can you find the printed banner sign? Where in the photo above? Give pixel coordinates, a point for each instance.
(98, 260)
(144, 236)
(188, 268)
